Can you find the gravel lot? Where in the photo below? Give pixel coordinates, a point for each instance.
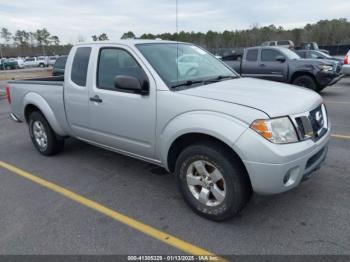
(311, 219)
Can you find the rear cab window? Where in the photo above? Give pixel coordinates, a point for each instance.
(80, 65)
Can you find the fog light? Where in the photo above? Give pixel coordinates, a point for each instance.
(286, 178)
(291, 177)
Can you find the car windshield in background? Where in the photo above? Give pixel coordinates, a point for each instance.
(184, 64)
(61, 62)
(291, 54)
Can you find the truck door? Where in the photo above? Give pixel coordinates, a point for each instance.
(120, 119)
(269, 66)
(76, 94)
(249, 63)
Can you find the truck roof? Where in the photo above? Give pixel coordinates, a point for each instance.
(128, 42)
(267, 47)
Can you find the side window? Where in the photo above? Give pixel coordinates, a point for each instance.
(113, 62)
(252, 55)
(269, 55)
(272, 43)
(80, 65)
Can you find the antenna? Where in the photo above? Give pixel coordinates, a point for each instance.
(177, 43)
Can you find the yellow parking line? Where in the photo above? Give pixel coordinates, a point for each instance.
(340, 136)
(146, 229)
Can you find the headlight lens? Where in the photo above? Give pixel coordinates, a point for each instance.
(326, 68)
(277, 130)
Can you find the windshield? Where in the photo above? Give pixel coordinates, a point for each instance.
(291, 54)
(177, 63)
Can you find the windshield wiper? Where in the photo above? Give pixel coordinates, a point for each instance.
(219, 78)
(204, 81)
(188, 83)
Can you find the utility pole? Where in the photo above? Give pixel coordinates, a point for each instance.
(2, 64)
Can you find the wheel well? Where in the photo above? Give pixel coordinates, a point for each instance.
(297, 74)
(30, 109)
(189, 139)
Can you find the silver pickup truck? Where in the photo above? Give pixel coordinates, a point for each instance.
(177, 106)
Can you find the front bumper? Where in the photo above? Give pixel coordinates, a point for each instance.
(275, 168)
(328, 78)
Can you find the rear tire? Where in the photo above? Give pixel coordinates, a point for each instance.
(305, 81)
(44, 139)
(225, 190)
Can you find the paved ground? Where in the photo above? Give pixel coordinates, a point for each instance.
(312, 219)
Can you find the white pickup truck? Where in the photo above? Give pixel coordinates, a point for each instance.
(40, 61)
(222, 136)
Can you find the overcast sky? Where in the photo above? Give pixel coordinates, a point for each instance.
(70, 19)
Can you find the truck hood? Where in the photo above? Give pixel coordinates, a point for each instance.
(273, 98)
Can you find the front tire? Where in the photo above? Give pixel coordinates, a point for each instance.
(43, 137)
(305, 81)
(212, 181)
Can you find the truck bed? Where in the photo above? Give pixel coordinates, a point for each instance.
(46, 92)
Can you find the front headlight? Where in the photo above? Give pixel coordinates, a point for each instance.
(277, 130)
(326, 68)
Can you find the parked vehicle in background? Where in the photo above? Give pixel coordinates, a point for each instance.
(312, 46)
(283, 65)
(222, 136)
(51, 60)
(59, 66)
(346, 66)
(283, 43)
(315, 54)
(6, 64)
(19, 61)
(35, 62)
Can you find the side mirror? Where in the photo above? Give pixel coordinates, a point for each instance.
(281, 59)
(131, 84)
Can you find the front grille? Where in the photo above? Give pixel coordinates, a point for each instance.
(313, 124)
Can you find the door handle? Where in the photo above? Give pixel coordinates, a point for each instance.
(96, 99)
(262, 65)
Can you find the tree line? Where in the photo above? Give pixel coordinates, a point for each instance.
(22, 42)
(324, 32)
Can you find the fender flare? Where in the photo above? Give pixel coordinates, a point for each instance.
(221, 126)
(39, 102)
